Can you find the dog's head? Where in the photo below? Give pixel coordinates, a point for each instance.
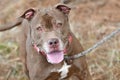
(49, 31)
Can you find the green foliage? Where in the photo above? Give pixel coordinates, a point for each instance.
(8, 47)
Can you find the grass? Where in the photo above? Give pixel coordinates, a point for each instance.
(10, 64)
(103, 62)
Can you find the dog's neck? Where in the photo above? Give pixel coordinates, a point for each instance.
(72, 48)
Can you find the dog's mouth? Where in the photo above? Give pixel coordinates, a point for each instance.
(55, 57)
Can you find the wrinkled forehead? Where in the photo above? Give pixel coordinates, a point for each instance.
(51, 13)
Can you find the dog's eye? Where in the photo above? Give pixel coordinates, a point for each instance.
(39, 28)
(59, 25)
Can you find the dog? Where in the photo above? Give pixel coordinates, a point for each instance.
(46, 40)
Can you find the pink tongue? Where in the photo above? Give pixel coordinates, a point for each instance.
(55, 57)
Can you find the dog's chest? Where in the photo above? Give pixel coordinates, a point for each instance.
(63, 71)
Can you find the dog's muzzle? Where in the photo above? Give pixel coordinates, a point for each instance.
(55, 56)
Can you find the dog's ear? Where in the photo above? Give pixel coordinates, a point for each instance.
(63, 8)
(29, 14)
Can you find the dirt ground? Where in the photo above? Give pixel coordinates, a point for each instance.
(90, 20)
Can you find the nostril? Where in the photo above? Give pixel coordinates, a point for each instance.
(56, 41)
(50, 43)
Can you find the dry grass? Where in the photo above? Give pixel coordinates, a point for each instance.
(91, 20)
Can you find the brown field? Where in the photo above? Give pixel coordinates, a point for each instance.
(90, 20)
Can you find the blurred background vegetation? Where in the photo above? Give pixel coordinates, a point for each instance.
(90, 21)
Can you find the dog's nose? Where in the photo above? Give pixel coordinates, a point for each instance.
(53, 41)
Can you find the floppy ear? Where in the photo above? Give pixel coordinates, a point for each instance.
(29, 14)
(63, 8)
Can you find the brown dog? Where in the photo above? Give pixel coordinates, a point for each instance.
(48, 39)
